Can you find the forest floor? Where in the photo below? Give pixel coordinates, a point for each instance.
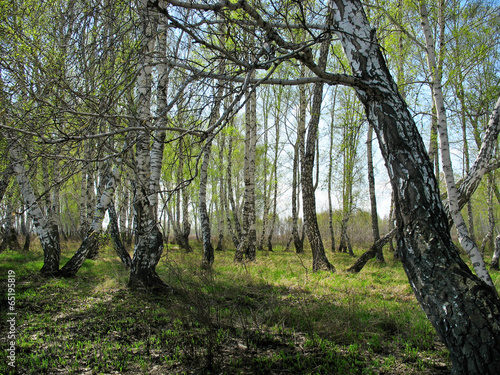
(273, 316)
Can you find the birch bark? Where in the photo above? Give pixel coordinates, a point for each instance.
(464, 310)
(463, 233)
(248, 240)
(320, 260)
(50, 243)
(298, 239)
(208, 250)
(496, 255)
(236, 234)
(143, 269)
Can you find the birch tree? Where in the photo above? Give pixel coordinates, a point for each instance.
(436, 72)
(320, 260)
(208, 250)
(148, 247)
(451, 286)
(49, 242)
(247, 245)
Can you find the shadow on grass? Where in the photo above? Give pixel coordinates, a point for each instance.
(212, 324)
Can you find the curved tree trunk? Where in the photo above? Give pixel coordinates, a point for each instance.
(91, 240)
(464, 310)
(114, 230)
(372, 253)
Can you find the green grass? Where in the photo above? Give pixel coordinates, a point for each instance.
(273, 316)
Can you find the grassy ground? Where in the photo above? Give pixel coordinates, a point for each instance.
(271, 317)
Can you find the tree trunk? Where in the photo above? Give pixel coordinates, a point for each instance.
(248, 240)
(463, 233)
(491, 217)
(464, 310)
(274, 179)
(48, 239)
(320, 261)
(496, 255)
(9, 236)
(330, 173)
(298, 240)
(181, 224)
(91, 240)
(222, 195)
(25, 230)
(480, 167)
(372, 253)
(345, 242)
(208, 250)
(114, 231)
(470, 214)
(392, 218)
(6, 176)
(373, 198)
(267, 182)
(148, 239)
(236, 233)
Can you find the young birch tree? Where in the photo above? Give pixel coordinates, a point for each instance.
(436, 75)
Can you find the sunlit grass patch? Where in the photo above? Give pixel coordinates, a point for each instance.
(270, 316)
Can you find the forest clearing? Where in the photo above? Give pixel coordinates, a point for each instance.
(270, 317)
(207, 171)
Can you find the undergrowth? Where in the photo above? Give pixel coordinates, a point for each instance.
(273, 316)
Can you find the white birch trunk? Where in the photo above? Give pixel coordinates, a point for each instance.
(50, 244)
(496, 254)
(463, 233)
(481, 164)
(143, 269)
(208, 250)
(249, 232)
(463, 309)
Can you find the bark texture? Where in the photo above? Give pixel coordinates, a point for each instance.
(373, 197)
(247, 245)
(463, 233)
(496, 255)
(464, 310)
(320, 260)
(114, 231)
(148, 239)
(48, 237)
